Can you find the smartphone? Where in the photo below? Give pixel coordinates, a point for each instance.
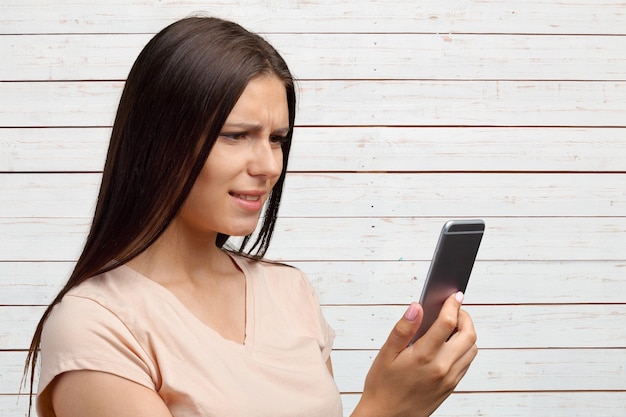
(450, 268)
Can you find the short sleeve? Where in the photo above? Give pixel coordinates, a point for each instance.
(81, 334)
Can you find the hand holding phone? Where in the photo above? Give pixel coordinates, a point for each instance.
(450, 268)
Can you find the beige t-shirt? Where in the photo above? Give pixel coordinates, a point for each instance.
(125, 324)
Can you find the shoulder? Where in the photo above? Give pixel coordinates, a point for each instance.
(89, 304)
(114, 307)
(85, 332)
(91, 314)
(265, 265)
(121, 283)
(276, 275)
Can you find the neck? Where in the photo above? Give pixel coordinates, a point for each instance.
(180, 254)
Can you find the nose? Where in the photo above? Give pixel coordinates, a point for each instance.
(266, 160)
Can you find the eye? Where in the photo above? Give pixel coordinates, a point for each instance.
(278, 140)
(234, 136)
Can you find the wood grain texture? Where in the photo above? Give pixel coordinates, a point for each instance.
(474, 16)
(498, 327)
(410, 113)
(536, 404)
(364, 56)
(547, 370)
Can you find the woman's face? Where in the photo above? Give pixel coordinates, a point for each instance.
(244, 164)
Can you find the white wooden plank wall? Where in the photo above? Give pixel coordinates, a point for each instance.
(411, 112)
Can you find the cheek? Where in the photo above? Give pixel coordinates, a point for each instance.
(275, 179)
(202, 192)
(280, 160)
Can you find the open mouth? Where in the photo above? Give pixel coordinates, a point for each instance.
(246, 197)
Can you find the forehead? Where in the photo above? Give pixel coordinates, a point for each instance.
(263, 101)
(265, 86)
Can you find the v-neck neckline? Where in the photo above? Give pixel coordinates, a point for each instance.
(249, 324)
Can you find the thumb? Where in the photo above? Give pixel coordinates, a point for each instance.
(403, 331)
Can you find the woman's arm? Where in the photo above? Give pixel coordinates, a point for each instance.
(98, 394)
(413, 381)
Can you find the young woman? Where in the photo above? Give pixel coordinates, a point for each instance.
(160, 317)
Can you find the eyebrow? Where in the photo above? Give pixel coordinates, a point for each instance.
(255, 128)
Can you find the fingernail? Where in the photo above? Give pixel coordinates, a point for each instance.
(411, 312)
(459, 297)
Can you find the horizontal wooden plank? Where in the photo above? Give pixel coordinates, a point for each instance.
(413, 238)
(405, 195)
(400, 282)
(502, 16)
(512, 370)
(497, 327)
(500, 103)
(70, 57)
(358, 239)
(536, 404)
(356, 103)
(343, 56)
(49, 195)
(44, 238)
(499, 282)
(539, 404)
(12, 370)
(59, 104)
(363, 195)
(32, 283)
(53, 149)
(359, 149)
(367, 327)
(17, 325)
(15, 406)
(447, 149)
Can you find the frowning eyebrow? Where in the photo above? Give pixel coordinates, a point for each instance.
(251, 127)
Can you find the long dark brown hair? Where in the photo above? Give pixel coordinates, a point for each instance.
(176, 99)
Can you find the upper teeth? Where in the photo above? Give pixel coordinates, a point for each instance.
(247, 197)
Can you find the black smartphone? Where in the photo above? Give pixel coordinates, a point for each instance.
(450, 268)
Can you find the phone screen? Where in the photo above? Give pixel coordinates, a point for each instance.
(450, 268)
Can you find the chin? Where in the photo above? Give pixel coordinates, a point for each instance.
(240, 231)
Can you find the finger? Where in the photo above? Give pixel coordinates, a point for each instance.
(465, 334)
(465, 324)
(463, 340)
(445, 324)
(460, 350)
(403, 331)
(461, 366)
